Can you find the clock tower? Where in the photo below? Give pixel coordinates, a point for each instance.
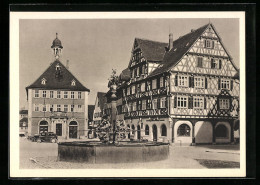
(57, 47)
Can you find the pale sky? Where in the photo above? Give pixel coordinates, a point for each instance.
(95, 47)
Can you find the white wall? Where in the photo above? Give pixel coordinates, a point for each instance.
(203, 132)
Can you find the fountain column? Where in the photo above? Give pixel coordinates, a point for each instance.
(113, 109)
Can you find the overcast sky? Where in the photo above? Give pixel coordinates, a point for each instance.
(94, 47)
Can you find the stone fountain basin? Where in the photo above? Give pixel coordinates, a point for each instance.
(125, 152)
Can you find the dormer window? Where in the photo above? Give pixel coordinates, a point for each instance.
(73, 83)
(43, 81)
(58, 67)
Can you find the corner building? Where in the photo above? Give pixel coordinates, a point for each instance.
(184, 91)
(58, 102)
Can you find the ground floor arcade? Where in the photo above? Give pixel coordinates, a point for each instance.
(182, 131)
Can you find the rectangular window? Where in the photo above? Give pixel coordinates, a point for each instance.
(143, 104)
(36, 108)
(214, 64)
(58, 94)
(36, 93)
(72, 108)
(65, 108)
(134, 106)
(139, 105)
(199, 82)
(154, 84)
(163, 102)
(79, 95)
(79, 108)
(51, 108)
(59, 108)
(133, 89)
(225, 84)
(44, 108)
(208, 44)
(154, 103)
(224, 104)
(143, 87)
(51, 94)
(72, 95)
(44, 94)
(182, 102)
(198, 102)
(183, 81)
(149, 104)
(65, 94)
(161, 82)
(137, 72)
(128, 90)
(200, 62)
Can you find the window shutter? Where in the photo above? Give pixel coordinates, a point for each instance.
(205, 43)
(230, 103)
(205, 102)
(212, 63)
(190, 83)
(175, 101)
(218, 103)
(158, 83)
(206, 82)
(220, 64)
(213, 44)
(176, 80)
(166, 102)
(190, 101)
(219, 80)
(158, 103)
(231, 85)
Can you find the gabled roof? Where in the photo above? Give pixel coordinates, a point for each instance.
(90, 112)
(152, 50)
(102, 99)
(57, 83)
(180, 47)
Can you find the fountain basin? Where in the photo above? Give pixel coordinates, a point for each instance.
(125, 152)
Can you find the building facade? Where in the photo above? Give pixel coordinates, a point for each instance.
(23, 123)
(184, 91)
(58, 102)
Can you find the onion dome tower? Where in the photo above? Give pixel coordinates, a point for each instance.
(57, 47)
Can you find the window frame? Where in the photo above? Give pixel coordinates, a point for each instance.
(36, 92)
(184, 130)
(79, 95)
(183, 80)
(224, 103)
(51, 94)
(154, 84)
(58, 94)
(66, 108)
(198, 101)
(163, 105)
(65, 94)
(161, 81)
(200, 61)
(223, 82)
(199, 82)
(72, 95)
(143, 87)
(181, 99)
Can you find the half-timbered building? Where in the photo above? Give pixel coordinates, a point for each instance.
(184, 91)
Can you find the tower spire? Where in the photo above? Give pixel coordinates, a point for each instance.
(56, 35)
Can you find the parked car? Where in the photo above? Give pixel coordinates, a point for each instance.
(45, 137)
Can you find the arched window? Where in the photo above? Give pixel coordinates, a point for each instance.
(163, 130)
(146, 130)
(133, 128)
(183, 130)
(72, 123)
(221, 131)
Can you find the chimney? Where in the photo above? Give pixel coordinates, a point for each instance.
(67, 64)
(170, 41)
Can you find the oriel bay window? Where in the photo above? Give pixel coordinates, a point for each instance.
(224, 104)
(198, 102)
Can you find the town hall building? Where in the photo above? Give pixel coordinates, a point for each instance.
(57, 101)
(184, 91)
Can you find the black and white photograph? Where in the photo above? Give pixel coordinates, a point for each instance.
(127, 94)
